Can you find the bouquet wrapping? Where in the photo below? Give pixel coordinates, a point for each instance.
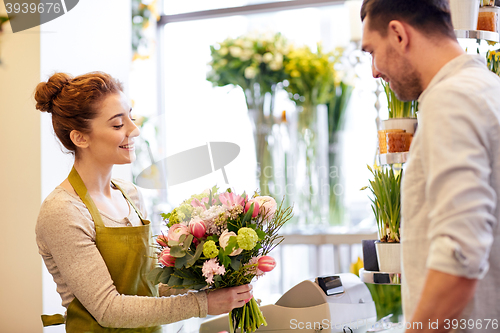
(217, 240)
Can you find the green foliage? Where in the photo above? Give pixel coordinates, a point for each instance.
(398, 108)
(387, 300)
(141, 14)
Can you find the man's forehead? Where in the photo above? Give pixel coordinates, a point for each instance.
(366, 38)
(369, 37)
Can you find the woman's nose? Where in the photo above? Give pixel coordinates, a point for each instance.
(134, 130)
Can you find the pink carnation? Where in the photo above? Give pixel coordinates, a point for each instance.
(210, 268)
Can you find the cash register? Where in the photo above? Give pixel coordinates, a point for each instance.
(337, 303)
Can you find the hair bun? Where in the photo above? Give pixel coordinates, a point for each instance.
(46, 92)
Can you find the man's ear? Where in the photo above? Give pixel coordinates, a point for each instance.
(398, 35)
(79, 139)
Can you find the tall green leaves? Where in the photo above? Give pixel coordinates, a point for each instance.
(386, 202)
(397, 108)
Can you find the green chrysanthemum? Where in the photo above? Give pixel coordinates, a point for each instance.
(247, 238)
(210, 249)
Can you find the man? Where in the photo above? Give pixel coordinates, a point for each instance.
(451, 187)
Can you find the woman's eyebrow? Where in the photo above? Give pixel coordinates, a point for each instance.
(116, 116)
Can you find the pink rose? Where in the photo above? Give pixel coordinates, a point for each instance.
(224, 240)
(267, 207)
(266, 263)
(176, 231)
(162, 240)
(166, 259)
(197, 227)
(256, 207)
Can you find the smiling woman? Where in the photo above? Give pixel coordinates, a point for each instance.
(92, 231)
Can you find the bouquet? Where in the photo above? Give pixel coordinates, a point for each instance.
(218, 240)
(311, 75)
(247, 60)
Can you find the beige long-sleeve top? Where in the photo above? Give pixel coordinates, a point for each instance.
(451, 189)
(65, 235)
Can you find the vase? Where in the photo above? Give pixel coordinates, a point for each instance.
(388, 257)
(260, 112)
(309, 197)
(335, 186)
(336, 109)
(464, 14)
(409, 125)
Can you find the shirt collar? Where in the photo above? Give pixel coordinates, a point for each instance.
(453, 66)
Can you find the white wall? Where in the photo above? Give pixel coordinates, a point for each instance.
(20, 195)
(95, 35)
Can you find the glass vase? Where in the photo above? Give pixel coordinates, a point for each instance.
(310, 196)
(260, 111)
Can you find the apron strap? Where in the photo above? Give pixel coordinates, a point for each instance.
(56, 319)
(80, 189)
(131, 202)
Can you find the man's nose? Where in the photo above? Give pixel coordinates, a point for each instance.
(376, 74)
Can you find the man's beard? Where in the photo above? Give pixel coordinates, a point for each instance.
(407, 85)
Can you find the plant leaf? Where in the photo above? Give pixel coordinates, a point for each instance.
(177, 251)
(174, 281)
(165, 275)
(187, 242)
(154, 275)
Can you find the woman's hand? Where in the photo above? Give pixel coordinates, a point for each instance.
(224, 300)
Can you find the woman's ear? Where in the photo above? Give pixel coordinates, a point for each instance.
(79, 139)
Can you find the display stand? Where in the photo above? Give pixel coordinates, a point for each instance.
(478, 34)
(393, 158)
(393, 279)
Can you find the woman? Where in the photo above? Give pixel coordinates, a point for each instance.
(91, 230)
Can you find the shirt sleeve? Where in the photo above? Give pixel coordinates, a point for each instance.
(62, 230)
(457, 164)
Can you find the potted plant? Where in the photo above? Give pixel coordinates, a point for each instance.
(397, 131)
(386, 205)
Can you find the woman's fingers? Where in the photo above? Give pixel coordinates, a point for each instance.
(226, 299)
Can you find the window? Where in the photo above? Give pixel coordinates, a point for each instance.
(197, 113)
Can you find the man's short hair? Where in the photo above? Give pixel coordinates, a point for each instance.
(431, 17)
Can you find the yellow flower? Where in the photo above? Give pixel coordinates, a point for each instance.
(356, 266)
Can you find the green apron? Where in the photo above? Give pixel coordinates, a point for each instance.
(128, 256)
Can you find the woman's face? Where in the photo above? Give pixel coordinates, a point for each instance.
(111, 140)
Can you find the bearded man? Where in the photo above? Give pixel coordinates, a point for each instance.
(451, 186)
